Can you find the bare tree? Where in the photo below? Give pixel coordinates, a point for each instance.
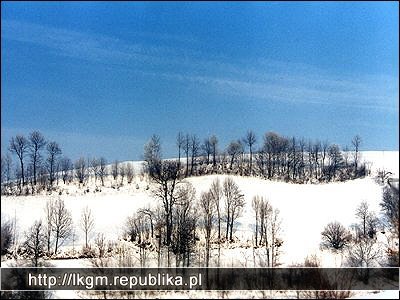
(95, 167)
(150, 215)
(129, 172)
(6, 167)
(166, 176)
(250, 139)
(152, 150)
(87, 224)
(115, 169)
(19, 145)
(233, 150)
(185, 224)
(80, 170)
(390, 207)
(335, 236)
(336, 160)
(100, 242)
(234, 203)
(180, 142)
(53, 152)
(66, 167)
(194, 148)
(216, 194)
(356, 142)
(256, 205)
(36, 143)
(364, 253)
(122, 172)
(324, 152)
(207, 205)
(49, 212)
(362, 213)
(214, 144)
(186, 149)
(207, 149)
(62, 223)
(34, 241)
(102, 169)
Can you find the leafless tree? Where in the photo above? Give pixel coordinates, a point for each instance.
(234, 203)
(180, 142)
(336, 160)
(6, 166)
(80, 170)
(356, 142)
(214, 145)
(34, 241)
(133, 228)
(362, 213)
(100, 242)
(256, 205)
(324, 153)
(122, 172)
(36, 144)
(316, 150)
(390, 207)
(207, 149)
(152, 150)
(364, 253)
(49, 212)
(95, 167)
(166, 176)
(115, 169)
(53, 152)
(207, 205)
(102, 169)
(87, 223)
(186, 149)
(129, 172)
(194, 151)
(183, 240)
(62, 223)
(250, 140)
(66, 167)
(147, 213)
(234, 148)
(335, 236)
(275, 242)
(216, 193)
(19, 145)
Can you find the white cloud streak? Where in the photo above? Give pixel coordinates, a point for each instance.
(290, 83)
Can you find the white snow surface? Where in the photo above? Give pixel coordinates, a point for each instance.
(305, 209)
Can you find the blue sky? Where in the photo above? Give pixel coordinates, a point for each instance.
(101, 77)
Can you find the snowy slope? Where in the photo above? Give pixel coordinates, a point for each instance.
(305, 208)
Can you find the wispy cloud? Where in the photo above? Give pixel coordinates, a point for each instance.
(262, 79)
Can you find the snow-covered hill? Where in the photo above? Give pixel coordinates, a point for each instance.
(304, 208)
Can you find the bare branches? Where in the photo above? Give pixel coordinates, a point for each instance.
(87, 223)
(335, 236)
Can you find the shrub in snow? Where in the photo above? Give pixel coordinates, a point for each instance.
(87, 252)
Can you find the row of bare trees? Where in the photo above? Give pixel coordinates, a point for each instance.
(287, 158)
(49, 233)
(40, 165)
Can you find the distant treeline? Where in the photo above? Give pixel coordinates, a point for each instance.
(276, 157)
(40, 164)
